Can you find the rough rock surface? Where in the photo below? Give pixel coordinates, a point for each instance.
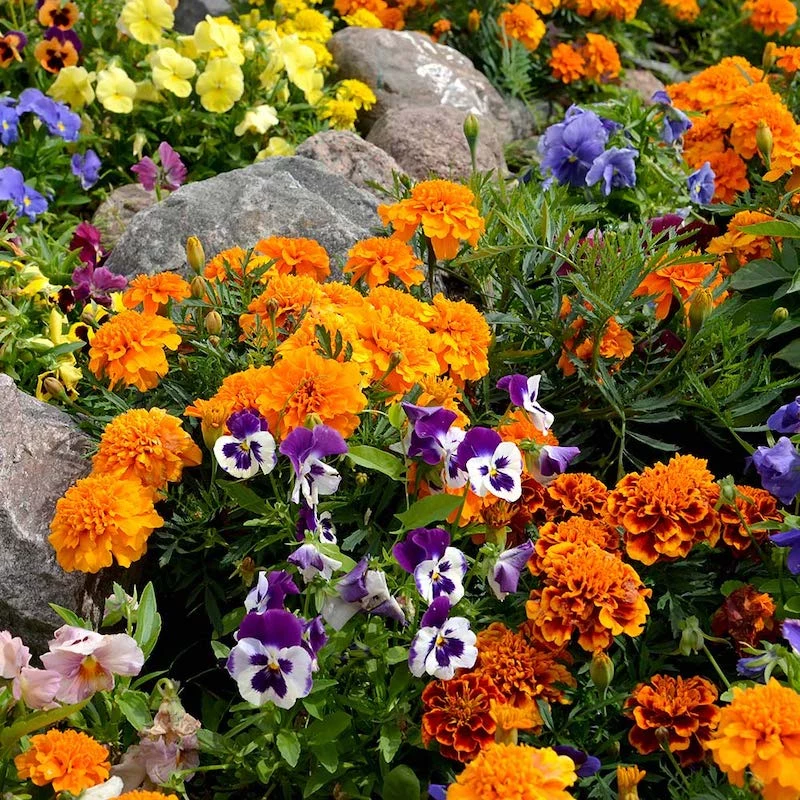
(427, 140)
(348, 155)
(408, 69)
(642, 81)
(115, 213)
(190, 12)
(41, 454)
(276, 197)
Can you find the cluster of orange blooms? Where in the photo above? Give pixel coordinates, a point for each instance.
(683, 10)
(390, 14)
(622, 10)
(596, 59)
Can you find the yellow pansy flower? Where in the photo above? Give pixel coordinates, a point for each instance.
(300, 64)
(171, 71)
(145, 20)
(73, 86)
(211, 35)
(115, 90)
(277, 146)
(220, 85)
(146, 92)
(257, 120)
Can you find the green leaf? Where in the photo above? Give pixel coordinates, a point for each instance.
(757, 273)
(379, 460)
(135, 707)
(33, 722)
(245, 497)
(790, 353)
(326, 730)
(70, 617)
(390, 741)
(788, 230)
(433, 508)
(396, 415)
(730, 586)
(401, 784)
(327, 755)
(220, 650)
(792, 605)
(394, 655)
(148, 621)
(289, 747)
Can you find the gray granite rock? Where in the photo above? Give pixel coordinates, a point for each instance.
(115, 213)
(347, 154)
(42, 453)
(643, 82)
(190, 12)
(408, 69)
(276, 197)
(429, 140)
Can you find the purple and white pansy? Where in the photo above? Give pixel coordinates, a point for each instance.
(270, 591)
(524, 392)
(504, 575)
(314, 638)
(438, 569)
(493, 466)
(271, 661)
(442, 645)
(435, 440)
(249, 448)
(311, 561)
(306, 449)
(553, 460)
(317, 524)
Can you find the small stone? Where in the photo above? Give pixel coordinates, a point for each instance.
(190, 12)
(643, 82)
(115, 213)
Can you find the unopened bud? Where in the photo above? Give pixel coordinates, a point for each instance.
(473, 20)
(54, 387)
(601, 670)
(312, 420)
(769, 57)
(692, 638)
(779, 315)
(213, 323)
(727, 492)
(700, 308)
(394, 359)
(194, 254)
(213, 340)
(139, 141)
(198, 287)
(362, 479)
(471, 130)
(764, 141)
(272, 305)
(662, 736)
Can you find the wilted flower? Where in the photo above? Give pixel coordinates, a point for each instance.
(442, 645)
(524, 392)
(170, 175)
(438, 569)
(313, 562)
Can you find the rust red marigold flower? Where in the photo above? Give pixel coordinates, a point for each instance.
(457, 714)
(683, 707)
(754, 505)
(666, 509)
(747, 616)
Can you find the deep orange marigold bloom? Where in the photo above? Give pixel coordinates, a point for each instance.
(54, 55)
(628, 780)
(457, 714)
(69, 760)
(715, 84)
(601, 58)
(377, 259)
(445, 210)
(683, 10)
(57, 14)
(574, 529)
(770, 16)
(754, 505)
(730, 175)
(760, 730)
(666, 510)
(522, 669)
(241, 390)
(578, 493)
(534, 504)
(566, 63)
(788, 59)
(303, 383)
(544, 6)
(232, 262)
(129, 349)
(742, 246)
(589, 591)
(146, 445)
(342, 297)
(686, 277)
(99, 519)
(503, 771)
(684, 707)
(402, 303)
(442, 392)
(519, 21)
(747, 616)
(461, 339)
(705, 138)
(296, 256)
(153, 292)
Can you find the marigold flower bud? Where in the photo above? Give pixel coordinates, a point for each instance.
(473, 20)
(769, 57)
(727, 492)
(213, 322)
(471, 131)
(54, 387)
(601, 670)
(195, 254)
(780, 314)
(764, 141)
(662, 736)
(692, 638)
(213, 340)
(198, 287)
(700, 308)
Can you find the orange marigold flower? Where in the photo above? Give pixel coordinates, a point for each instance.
(574, 529)
(566, 63)
(442, 392)
(683, 10)
(628, 780)
(233, 261)
(788, 59)
(69, 760)
(153, 292)
(760, 731)
(99, 519)
(522, 669)
(303, 383)
(296, 256)
(129, 349)
(705, 138)
(753, 506)
(742, 246)
(457, 714)
(578, 493)
(54, 54)
(519, 21)
(747, 616)
(402, 303)
(146, 445)
(461, 339)
(601, 58)
(683, 707)
(534, 504)
(589, 591)
(241, 390)
(715, 84)
(516, 426)
(57, 14)
(770, 16)
(534, 773)
(377, 259)
(445, 210)
(730, 175)
(213, 414)
(666, 509)
(341, 296)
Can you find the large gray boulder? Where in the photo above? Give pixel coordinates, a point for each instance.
(42, 453)
(115, 213)
(190, 12)
(408, 69)
(276, 197)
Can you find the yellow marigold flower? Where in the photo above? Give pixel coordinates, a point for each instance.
(461, 339)
(276, 146)
(323, 55)
(442, 392)
(760, 731)
(146, 445)
(377, 259)
(213, 34)
(257, 120)
(296, 256)
(510, 719)
(220, 85)
(628, 779)
(445, 210)
(73, 86)
(683, 10)
(145, 20)
(770, 16)
(311, 24)
(739, 244)
(115, 90)
(341, 114)
(153, 292)
(519, 21)
(99, 519)
(69, 760)
(535, 773)
(357, 92)
(129, 349)
(545, 6)
(171, 71)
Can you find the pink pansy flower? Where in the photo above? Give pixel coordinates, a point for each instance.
(88, 661)
(13, 655)
(36, 688)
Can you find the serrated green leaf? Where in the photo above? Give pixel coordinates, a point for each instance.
(433, 508)
(289, 747)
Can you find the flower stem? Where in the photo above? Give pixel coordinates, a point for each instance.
(716, 666)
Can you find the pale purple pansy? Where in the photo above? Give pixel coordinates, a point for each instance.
(35, 687)
(311, 561)
(442, 645)
(504, 575)
(270, 591)
(493, 466)
(790, 539)
(269, 661)
(306, 449)
(438, 569)
(248, 448)
(524, 392)
(791, 632)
